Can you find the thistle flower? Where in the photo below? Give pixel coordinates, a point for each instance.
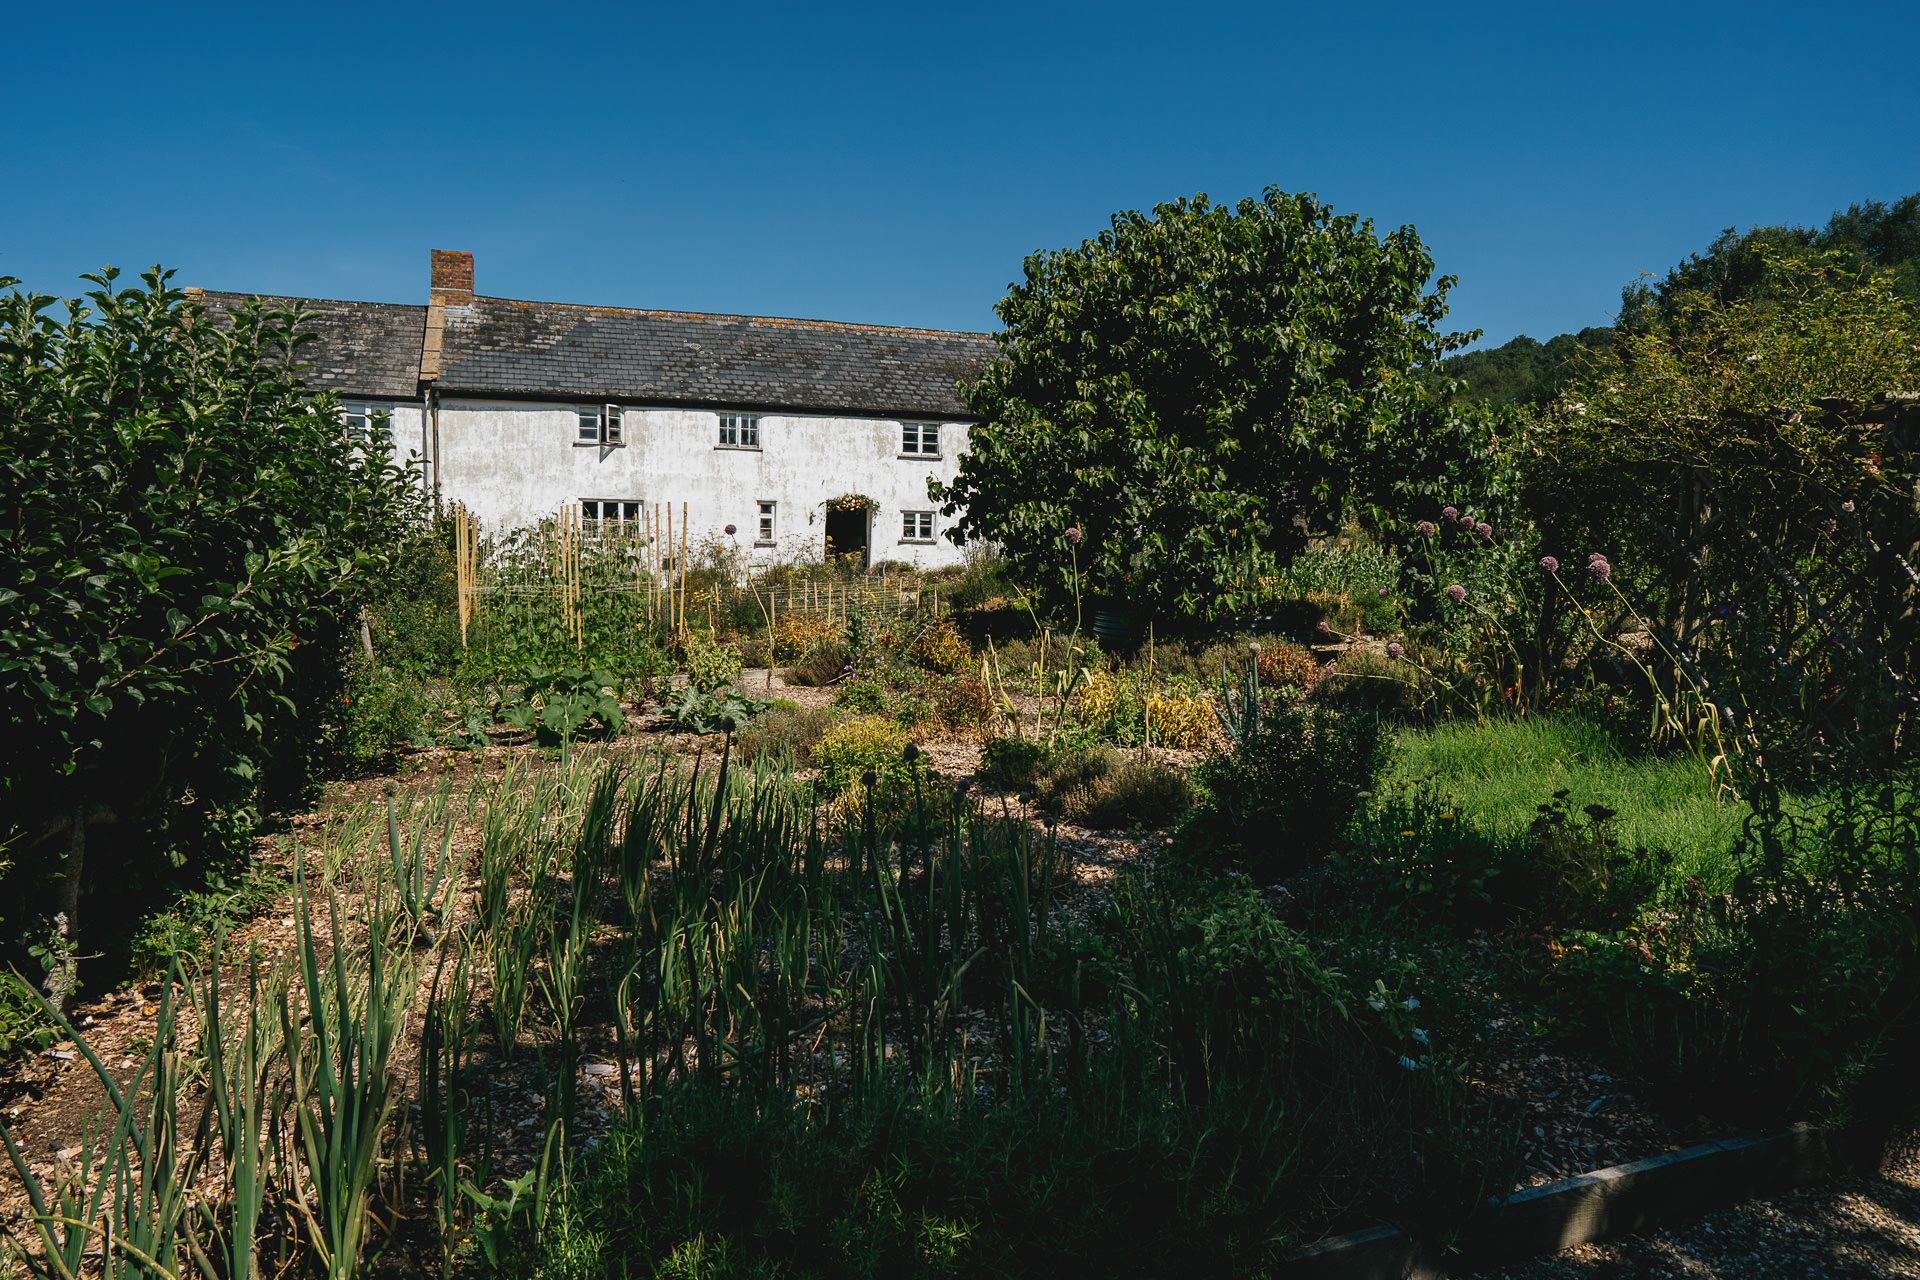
(1073, 537)
(1456, 593)
(1395, 652)
(1550, 564)
(1426, 528)
(1450, 513)
(1485, 530)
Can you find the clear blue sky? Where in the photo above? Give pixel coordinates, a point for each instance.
(894, 163)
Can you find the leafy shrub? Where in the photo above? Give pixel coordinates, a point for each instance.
(1284, 665)
(783, 731)
(712, 663)
(1278, 801)
(795, 634)
(1364, 681)
(1010, 764)
(1183, 720)
(562, 705)
(857, 745)
(822, 664)
(711, 710)
(863, 697)
(1355, 572)
(964, 702)
(380, 711)
(1137, 791)
(940, 648)
(1416, 852)
(1067, 772)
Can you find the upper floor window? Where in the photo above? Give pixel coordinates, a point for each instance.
(740, 430)
(920, 438)
(598, 424)
(363, 421)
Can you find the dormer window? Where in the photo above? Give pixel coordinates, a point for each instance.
(920, 439)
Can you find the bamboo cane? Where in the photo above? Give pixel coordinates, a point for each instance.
(683, 568)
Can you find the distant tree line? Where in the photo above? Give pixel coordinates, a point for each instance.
(1871, 236)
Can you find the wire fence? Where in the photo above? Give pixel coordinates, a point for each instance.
(579, 573)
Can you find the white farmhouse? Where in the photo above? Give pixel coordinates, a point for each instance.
(523, 409)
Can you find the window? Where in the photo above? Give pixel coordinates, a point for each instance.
(598, 426)
(363, 421)
(916, 526)
(922, 439)
(739, 431)
(609, 508)
(766, 522)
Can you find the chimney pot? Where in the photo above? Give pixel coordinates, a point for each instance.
(451, 278)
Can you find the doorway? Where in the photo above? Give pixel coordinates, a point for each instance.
(847, 537)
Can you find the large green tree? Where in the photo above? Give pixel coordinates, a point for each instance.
(184, 530)
(1200, 389)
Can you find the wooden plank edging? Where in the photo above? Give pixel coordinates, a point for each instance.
(1593, 1206)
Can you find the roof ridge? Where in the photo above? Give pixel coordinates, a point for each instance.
(674, 313)
(301, 297)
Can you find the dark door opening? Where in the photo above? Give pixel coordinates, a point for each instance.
(847, 537)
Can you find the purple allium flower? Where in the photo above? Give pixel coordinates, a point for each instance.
(730, 530)
(1450, 513)
(1395, 652)
(1426, 529)
(1456, 593)
(1597, 566)
(1073, 537)
(1829, 525)
(1383, 593)
(1550, 564)
(1323, 628)
(1484, 529)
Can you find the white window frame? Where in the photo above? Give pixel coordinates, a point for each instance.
(919, 440)
(371, 418)
(622, 508)
(916, 527)
(599, 427)
(739, 431)
(768, 526)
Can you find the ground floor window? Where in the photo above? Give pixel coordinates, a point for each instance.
(916, 526)
(766, 521)
(609, 508)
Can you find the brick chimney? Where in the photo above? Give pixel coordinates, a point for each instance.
(451, 277)
(449, 284)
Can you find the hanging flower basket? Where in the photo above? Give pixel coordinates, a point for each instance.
(851, 502)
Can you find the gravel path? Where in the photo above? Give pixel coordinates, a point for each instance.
(1849, 1229)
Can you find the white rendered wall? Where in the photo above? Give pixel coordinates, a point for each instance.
(513, 462)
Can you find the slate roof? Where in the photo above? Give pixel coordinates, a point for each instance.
(361, 348)
(505, 347)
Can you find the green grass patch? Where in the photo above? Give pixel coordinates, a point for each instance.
(1499, 772)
